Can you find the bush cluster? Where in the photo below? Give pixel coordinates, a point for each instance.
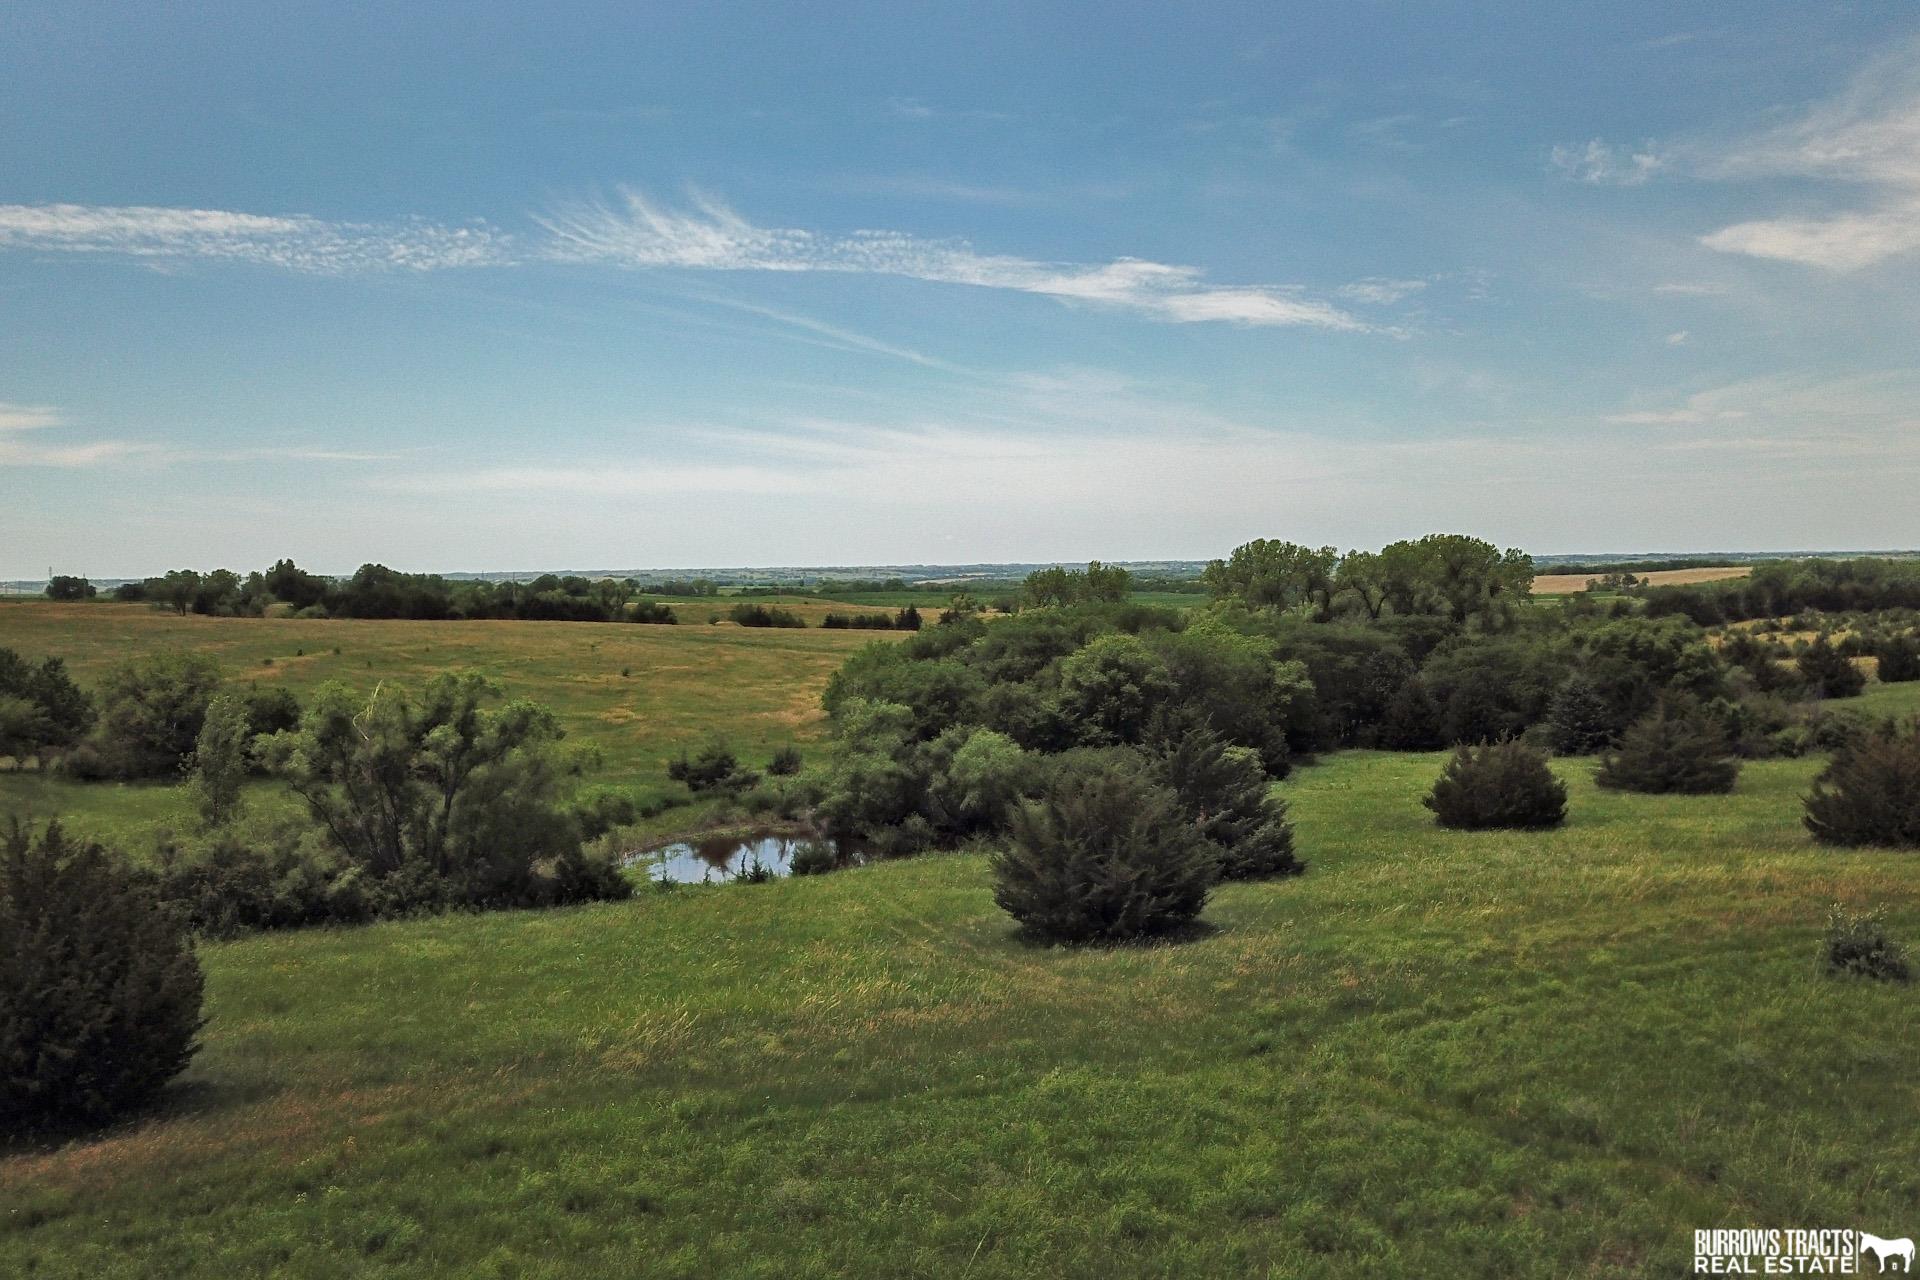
(1857, 944)
(1500, 784)
(100, 992)
(1870, 793)
(1678, 748)
(1106, 854)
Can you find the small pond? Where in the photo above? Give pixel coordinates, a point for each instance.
(719, 859)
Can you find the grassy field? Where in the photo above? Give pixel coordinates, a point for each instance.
(1435, 1054)
(1562, 584)
(637, 693)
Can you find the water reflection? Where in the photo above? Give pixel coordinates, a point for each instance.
(719, 859)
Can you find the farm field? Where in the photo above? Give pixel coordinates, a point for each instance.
(638, 693)
(1562, 584)
(1434, 1054)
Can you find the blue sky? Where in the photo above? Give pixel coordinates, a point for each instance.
(489, 286)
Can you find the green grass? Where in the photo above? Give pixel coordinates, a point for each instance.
(1436, 1054)
(638, 694)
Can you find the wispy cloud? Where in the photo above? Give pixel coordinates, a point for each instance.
(18, 449)
(1607, 164)
(1380, 291)
(27, 417)
(918, 110)
(290, 242)
(1679, 338)
(636, 232)
(1868, 136)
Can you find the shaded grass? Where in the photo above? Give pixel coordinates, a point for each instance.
(1437, 1053)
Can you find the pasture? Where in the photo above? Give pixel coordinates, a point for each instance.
(1566, 584)
(1434, 1054)
(637, 693)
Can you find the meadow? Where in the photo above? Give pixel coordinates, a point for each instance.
(1434, 1054)
(637, 694)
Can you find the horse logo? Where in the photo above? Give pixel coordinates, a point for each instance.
(1884, 1249)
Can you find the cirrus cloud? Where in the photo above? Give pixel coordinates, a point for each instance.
(636, 232)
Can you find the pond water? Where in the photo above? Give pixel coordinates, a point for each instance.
(721, 858)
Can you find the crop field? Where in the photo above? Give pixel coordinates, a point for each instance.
(1563, 584)
(637, 693)
(1434, 1054)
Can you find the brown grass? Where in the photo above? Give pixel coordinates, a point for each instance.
(1563, 584)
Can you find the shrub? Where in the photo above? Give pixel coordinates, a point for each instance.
(439, 799)
(272, 709)
(1870, 793)
(151, 712)
(1105, 854)
(813, 858)
(975, 778)
(1224, 792)
(1678, 748)
(1857, 944)
(1899, 659)
(264, 878)
(601, 809)
(41, 709)
(785, 762)
(1502, 784)
(760, 615)
(99, 988)
(1579, 722)
(1829, 674)
(220, 759)
(714, 768)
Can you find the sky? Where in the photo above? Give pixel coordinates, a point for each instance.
(492, 286)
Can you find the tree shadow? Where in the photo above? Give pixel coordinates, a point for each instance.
(181, 1100)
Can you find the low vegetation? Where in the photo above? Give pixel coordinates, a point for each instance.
(1498, 785)
(1678, 748)
(1870, 793)
(1105, 855)
(100, 992)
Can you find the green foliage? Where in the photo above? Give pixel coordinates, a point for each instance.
(220, 759)
(785, 763)
(151, 712)
(268, 874)
(41, 709)
(440, 798)
(713, 768)
(1827, 673)
(975, 779)
(760, 615)
(1271, 574)
(1870, 793)
(1098, 583)
(1110, 689)
(1226, 794)
(1678, 748)
(1899, 659)
(598, 810)
(99, 989)
(1105, 855)
(1500, 784)
(813, 858)
(64, 587)
(1857, 945)
(1579, 722)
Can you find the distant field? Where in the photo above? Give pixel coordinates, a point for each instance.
(1562, 584)
(638, 693)
(1521, 1055)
